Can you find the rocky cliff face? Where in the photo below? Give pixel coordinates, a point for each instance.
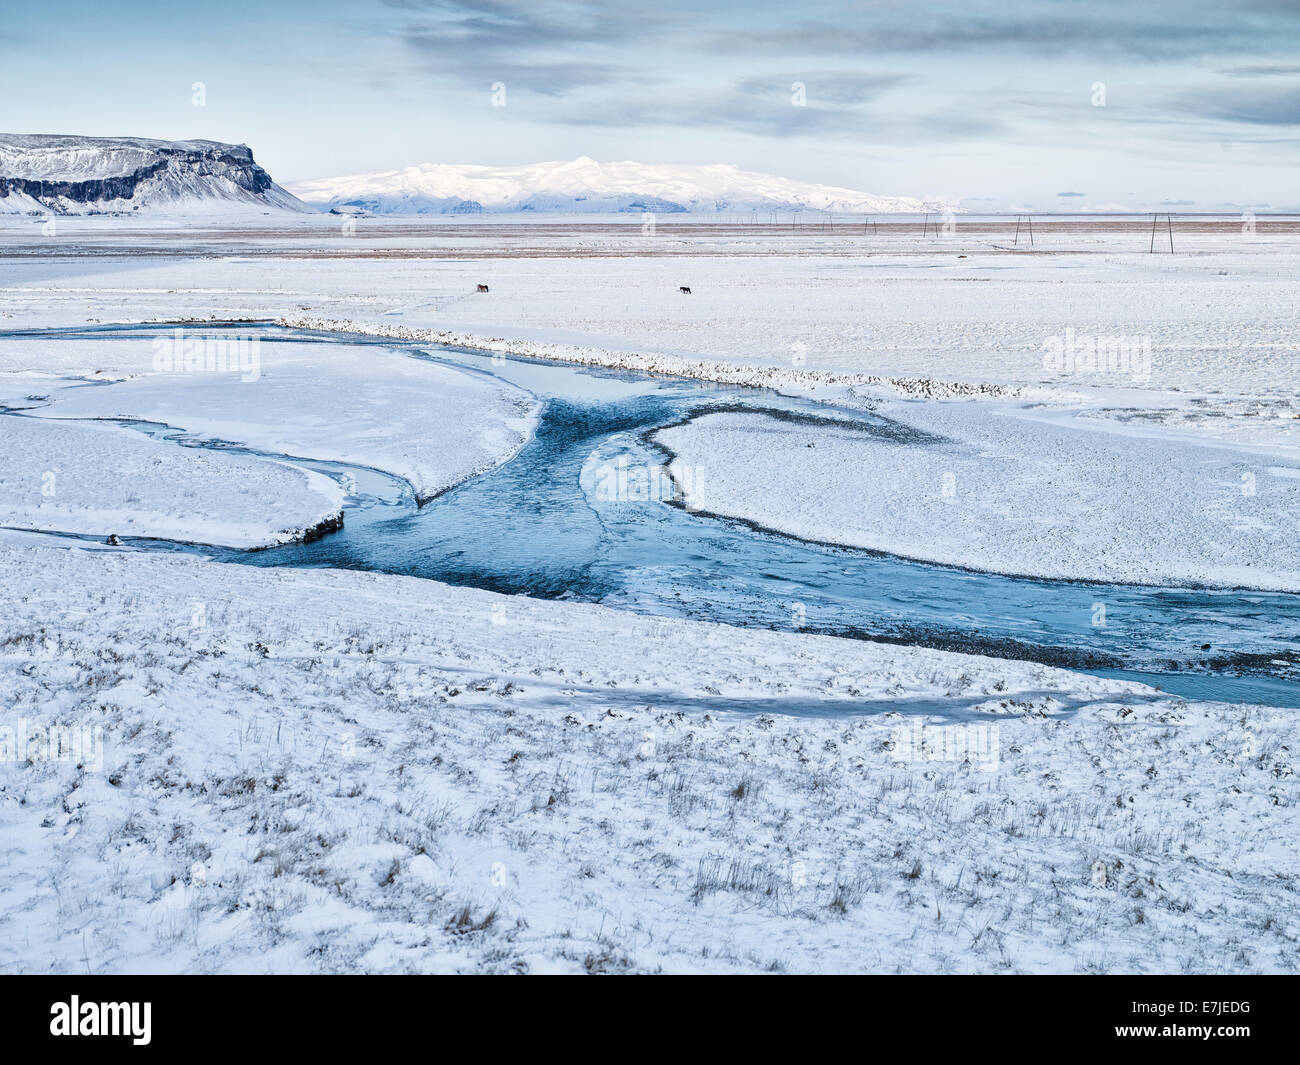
(91, 175)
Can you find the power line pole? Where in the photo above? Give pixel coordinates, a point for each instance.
(1169, 225)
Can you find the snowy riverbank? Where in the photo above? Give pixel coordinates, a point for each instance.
(429, 424)
(333, 771)
(100, 480)
(985, 488)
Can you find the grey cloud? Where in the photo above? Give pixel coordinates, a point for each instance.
(560, 50)
(1265, 106)
(1149, 38)
(845, 87)
(775, 117)
(551, 50)
(1262, 70)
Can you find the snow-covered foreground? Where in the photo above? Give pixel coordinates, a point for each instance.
(962, 485)
(307, 771)
(101, 479)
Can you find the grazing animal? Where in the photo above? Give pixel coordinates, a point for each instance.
(482, 288)
(684, 290)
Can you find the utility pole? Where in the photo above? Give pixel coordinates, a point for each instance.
(1169, 225)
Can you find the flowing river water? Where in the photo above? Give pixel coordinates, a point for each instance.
(547, 524)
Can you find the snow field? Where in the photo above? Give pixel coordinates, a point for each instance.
(332, 771)
(97, 480)
(338, 771)
(957, 484)
(429, 424)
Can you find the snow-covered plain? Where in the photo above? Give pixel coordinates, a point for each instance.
(945, 482)
(100, 479)
(328, 770)
(780, 305)
(428, 424)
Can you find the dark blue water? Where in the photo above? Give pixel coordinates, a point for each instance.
(546, 524)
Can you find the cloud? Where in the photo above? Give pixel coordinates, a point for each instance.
(1071, 194)
(1263, 70)
(772, 114)
(548, 49)
(1264, 106)
(840, 87)
(608, 66)
(726, 110)
(1115, 29)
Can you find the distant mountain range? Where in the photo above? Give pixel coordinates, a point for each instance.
(46, 173)
(586, 186)
(114, 175)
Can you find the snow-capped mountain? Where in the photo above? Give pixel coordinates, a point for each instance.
(103, 175)
(586, 186)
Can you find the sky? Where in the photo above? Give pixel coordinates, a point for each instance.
(1049, 105)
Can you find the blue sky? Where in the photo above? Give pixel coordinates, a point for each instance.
(992, 102)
